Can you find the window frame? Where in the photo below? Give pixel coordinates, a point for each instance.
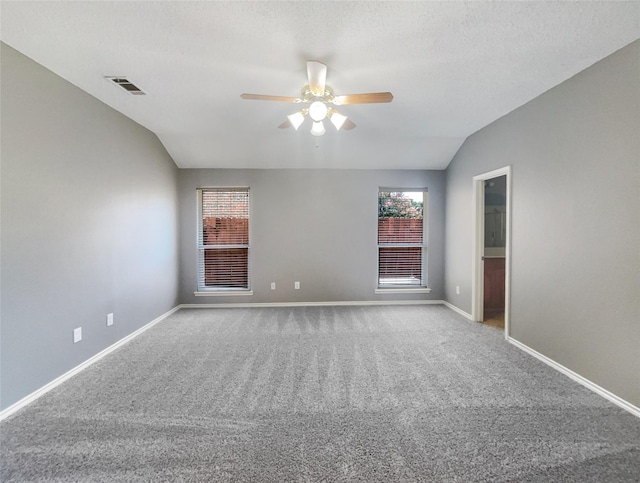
(202, 289)
(408, 287)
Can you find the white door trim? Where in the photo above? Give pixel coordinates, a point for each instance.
(477, 267)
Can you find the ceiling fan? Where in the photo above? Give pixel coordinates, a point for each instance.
(319, 97)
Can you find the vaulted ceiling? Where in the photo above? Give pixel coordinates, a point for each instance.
(453, 68)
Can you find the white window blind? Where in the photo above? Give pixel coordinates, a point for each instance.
(401, 238)
(223, 239)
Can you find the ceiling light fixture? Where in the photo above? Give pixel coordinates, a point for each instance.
(337, 119)
(296, 119)
(318, 129)
(318, 111)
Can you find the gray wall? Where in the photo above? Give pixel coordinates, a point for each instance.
(575, 152)
(89, 226)
(315, 226)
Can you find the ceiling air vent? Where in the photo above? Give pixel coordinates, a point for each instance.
(127, 85)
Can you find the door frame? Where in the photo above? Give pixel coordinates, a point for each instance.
(477, 267)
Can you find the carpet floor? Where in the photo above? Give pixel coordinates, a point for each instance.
(373, 393)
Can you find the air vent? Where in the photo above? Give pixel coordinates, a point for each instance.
(127, 85)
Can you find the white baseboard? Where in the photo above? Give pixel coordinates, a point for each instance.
(618, 401)
(456, 309)
(311, 304)
(67, 375)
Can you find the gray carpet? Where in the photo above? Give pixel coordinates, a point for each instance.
(404, 393)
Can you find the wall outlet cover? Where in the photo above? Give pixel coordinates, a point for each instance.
(77, 335)
(109, 319)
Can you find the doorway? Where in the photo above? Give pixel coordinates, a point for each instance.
(492, 248)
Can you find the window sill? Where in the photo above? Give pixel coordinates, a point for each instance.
(403, 290)
(223, 293)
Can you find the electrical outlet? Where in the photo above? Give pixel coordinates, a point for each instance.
(109, 319)
(77, 335)
(457, 289)
(296, 285)
(273, 285)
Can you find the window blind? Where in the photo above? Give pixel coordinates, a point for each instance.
(401, 247)
(223, 239)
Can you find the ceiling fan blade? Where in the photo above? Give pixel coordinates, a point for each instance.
(285, 124)
(370, 98)
(261, 97)
(317, 74)
(348, 125)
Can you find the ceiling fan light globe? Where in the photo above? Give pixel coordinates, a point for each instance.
(318, 129)
(337, 120)
(296, 119)
(318, 111)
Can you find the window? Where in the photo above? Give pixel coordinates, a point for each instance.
(401, 238)
(223, 239)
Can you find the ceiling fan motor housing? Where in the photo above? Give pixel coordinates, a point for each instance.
(309, 97)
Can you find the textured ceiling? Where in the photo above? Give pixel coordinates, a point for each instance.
(453, 67)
